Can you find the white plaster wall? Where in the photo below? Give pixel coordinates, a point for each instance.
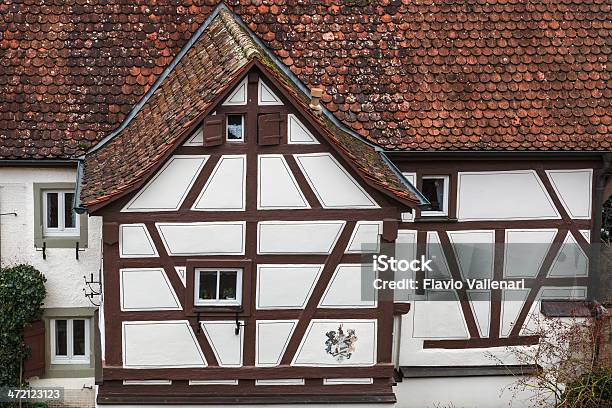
(503, 195)
(226, 345)
(331, 183)
(574, 190)
(169, 187)
(63, 272)
(203, 238)
(147, 289)
(412, 353)
(285, 286)
(461, 392)
(271, 340)
(161, 344)
(298, 237)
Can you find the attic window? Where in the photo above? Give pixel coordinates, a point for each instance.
(235, 128)
(435, 189)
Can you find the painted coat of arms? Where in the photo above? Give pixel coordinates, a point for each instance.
(340, 344)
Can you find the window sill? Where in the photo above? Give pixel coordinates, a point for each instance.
(567, 308)
(217, 310)
(68, 371)
(435, 219)
(467, 371)
(69, 363)
(61, 242)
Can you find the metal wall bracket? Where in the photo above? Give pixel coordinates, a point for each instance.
(89, 291)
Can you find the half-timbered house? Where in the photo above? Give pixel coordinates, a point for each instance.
(234, 214)
(239, 164)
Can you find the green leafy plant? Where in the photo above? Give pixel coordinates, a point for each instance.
(22, 292)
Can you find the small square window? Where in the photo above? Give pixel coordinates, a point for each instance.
(218, 287)
(59, 219)
(70, 341)
(435, 189)
(235, 128)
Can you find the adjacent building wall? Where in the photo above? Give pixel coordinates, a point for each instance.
(65, 274)
(536, 197)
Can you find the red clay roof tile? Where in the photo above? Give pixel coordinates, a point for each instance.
(218, 58)
(73, 69)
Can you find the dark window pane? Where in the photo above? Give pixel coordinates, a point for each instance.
(52, 210)
(78, 337)
(208, 285)
(61, 338)
(234, 127)
(69, 215)
(433, 189)
(227, 285)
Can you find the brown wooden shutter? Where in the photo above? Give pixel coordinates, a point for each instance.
(34, 336)
(214, 130)
(269, 128)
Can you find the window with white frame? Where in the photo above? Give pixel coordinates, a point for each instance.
(69, 341)
(59, 219)
(435, 189)
(218, 287)
(235, 128)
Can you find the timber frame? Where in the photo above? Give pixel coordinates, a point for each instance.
(451, 164)
(112, 391)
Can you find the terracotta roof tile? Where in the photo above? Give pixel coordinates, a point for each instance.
(73, 69)
(218, 58)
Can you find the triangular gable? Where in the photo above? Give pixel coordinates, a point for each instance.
(266, 96)
(204, 77)
(297, 133)
(238, 96)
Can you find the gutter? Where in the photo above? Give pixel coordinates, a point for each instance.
(76, 201)
(38, 162)
(439, 153)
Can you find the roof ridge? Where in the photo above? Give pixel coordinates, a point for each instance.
(241, 37)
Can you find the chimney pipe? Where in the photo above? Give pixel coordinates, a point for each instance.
(315, 96)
